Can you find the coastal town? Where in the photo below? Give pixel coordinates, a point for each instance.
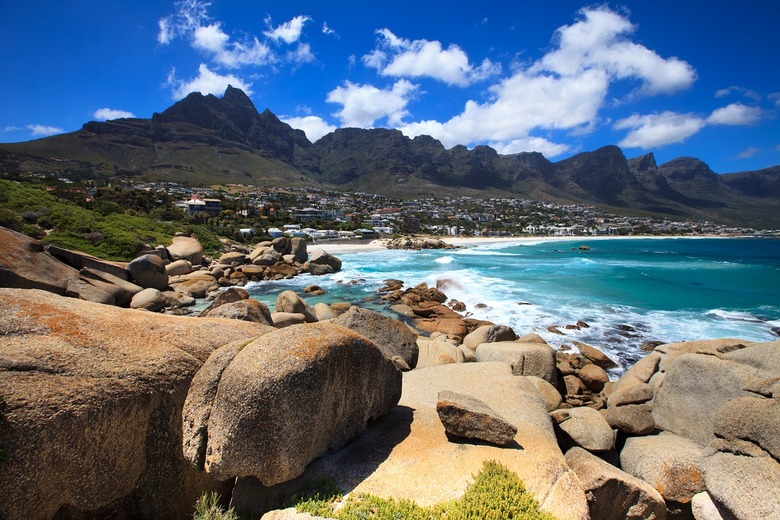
(322, 214)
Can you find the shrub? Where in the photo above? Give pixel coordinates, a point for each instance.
(496, 494)
(207, 508)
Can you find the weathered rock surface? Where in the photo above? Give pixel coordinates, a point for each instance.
(290, 302)
(92, 425)
(434, 353)
(488, 334)
(178, 267)
(594, 377)
(246, 310)
(550, 395)
(470, 418)
(76, 287)
(704, 508)
(324, 383)
(747, 487)
(186, 248)
(612, 493)
(391, 336)
(406, 454)
(584, 427)
(323, 311)
(148, 271)
(526, 359)
(149, 299)
(668, 462)
(320, 258)
(753, 419)
(595, 356)
(24, 264)
(121, 289)
(286, 319)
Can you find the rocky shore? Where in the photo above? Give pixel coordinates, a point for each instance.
(125, 413)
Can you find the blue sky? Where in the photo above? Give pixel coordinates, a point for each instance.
(675, 78)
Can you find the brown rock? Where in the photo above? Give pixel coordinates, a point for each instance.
(94, 393)
(526, 359)
(465, 416)
(149, 271)
(391, 336)
(246, 310)
(596, 356)
(186, 248)
(24, 264)
(585, 427)
(290, 302)
(594, 377)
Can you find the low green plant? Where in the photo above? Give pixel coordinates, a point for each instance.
(496, 494)
(207, 508)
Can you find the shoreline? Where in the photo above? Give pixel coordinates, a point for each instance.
(379, 244)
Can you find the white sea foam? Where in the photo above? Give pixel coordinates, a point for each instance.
(444, 260)
(734, 315)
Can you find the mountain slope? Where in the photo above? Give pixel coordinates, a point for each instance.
(210, 140)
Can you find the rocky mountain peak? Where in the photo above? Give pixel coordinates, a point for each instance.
(642, 163)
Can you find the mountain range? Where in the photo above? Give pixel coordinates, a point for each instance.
(210, 140)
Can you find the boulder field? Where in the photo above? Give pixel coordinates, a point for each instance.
(112, 412)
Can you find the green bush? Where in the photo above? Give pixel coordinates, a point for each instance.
(496, 494)
(208, 508)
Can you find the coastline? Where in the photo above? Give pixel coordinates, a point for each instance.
(379, 244)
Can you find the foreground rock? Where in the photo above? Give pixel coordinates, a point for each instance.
(391, 336)
(406, 454)
(526, 359)
(25, 264)
(470, 418)
(92, 424)
(323, 383)
(612, 493)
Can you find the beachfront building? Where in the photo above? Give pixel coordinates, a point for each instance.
(198, 205)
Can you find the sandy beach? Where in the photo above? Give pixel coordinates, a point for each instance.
(377, 245)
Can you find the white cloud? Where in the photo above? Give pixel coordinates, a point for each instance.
(288, 32)
(399, 57)
(12, 128)
(43, 130)
(652, 130)
(206, 82)
(327, 30)
(314, 127)
(189, 15)
(775, 98)
(748, 153)
(364, 104)
(302, 54)
(598, 41)
(105, 114)
(748, 93)
(735, 114)
(232, 54)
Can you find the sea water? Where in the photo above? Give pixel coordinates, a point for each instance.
(629, 292)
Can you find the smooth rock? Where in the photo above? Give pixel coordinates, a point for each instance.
(704, 508)
(286, 319)
(488, 334)
(319, 258)
(433, 353)
(233, 257)
(633, 419)
(80, 288)
(323, 311)
(149, 299)
(595, 356)
(186, 248)
(584, 427)
(747, 487)
(149, 271)
(594, 377)
(754, 419)
(328, 380)
(121, 289)
(526, 359)
(550, 395)
(290, 302)
(467, 417)
(246, 310)
(614, 494)
(668, 462)
(178, 267)
(391, 336)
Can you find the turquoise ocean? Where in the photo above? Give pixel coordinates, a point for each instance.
(629, 291)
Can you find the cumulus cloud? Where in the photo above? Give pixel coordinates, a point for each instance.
(206, 82)
(192, 22)
(652, 130)
(363, 105)
(399, 57)
(288, 32)
(44, 130)
(105, 114)
(735, 114)
(315, 127)
(599, 41)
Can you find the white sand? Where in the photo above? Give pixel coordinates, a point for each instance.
(378, 245)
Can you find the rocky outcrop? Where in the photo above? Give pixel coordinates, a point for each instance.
(93, 393)
(583, 427)
(186, 248)
(417, 243)
(526, 359)
(406, 455)
(290, 302)
(148, 271)
(25, 264)
(324, 383)
(469, 418)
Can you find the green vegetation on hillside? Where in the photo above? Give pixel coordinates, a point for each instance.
(114, 227)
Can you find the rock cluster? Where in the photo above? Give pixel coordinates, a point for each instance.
(417, 243)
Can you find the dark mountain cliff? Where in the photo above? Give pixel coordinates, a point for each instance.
(210, 140)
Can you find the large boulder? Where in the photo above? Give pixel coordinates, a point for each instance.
(320, 258)
(229, 295)
(406, 455)
(149, 299)
(77, 287)
(595, 356)
(290, 302)
(614, 494)
(149, 271)
(298, 249)
(122, 290)
(753, 419)
(434, 353)
(747, 487)
(247, 310)
(92, 421)
(186, 248)
(25, 265)
(668, 462)
(323, 383)
(584, 427)
(550, 395)
(526, 359)
(391, 336)
(470, 418)
(488, 334)
(694, 388)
